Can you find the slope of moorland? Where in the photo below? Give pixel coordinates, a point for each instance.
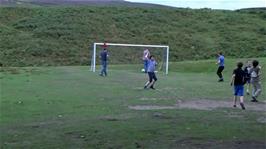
(53, 35)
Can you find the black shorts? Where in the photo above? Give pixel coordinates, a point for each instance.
(152, 76)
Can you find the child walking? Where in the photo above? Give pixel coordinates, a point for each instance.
(238, 80)
(255, 80)
(247, 70)
(151, 72)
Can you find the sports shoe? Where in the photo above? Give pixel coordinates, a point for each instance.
(242, 106)
(234, 106)
(221, 80)
(145, 87)
(254, 99)
(152, 87)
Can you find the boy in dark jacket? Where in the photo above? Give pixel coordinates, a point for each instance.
(238, 80)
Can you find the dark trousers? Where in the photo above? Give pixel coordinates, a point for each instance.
(219, 71)
(152, 76)
(104, 67)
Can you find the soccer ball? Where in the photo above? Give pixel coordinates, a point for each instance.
(142, 70)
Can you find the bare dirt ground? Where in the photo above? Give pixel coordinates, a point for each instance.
(201, 104)
(198, 143)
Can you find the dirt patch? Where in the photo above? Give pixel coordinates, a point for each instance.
(154, 99)
(201, 104)
(151, 107)
(219, 144)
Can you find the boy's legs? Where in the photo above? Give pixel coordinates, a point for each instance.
(102, 69)
(242, 102)
(235, 98)
(257, 92)
(154, 80)
(219, 72)
(150, 80)
(105, 68)
(235, 94)
(239, 91)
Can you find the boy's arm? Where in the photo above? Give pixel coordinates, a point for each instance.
(260, 73)
(232, 79)
(218, 61)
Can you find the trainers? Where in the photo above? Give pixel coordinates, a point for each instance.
(220, 80)
(145, 87)
(254, 99)
(247, 93)
(242, 106)
(152, 88)
(234, 106)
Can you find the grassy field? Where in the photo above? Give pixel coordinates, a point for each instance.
(52, 36)
(71, 107)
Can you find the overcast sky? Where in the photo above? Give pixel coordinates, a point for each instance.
(214, 4)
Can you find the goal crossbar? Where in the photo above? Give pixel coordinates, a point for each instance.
(93, 63)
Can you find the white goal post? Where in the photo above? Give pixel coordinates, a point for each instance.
(93, 61)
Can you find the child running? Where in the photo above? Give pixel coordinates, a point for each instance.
(238, 80)
(255, 80)
(152, 77)
(220, 63)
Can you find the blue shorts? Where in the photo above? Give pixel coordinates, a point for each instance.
(239, 90)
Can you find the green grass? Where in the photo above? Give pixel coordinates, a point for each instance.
(71, 107)
(52, 36)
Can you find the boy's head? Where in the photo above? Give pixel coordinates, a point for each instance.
(152, 57)
(248, 63)
(220, 53)
(255, 63)
(239, 65)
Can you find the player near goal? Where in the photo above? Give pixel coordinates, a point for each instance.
(161, 50)
(104, 56)
(151, 73)
(146, 55)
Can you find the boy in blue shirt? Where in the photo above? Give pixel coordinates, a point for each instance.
(151, 72)
(238, 80)
(220, 62)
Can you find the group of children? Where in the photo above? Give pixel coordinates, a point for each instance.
(251, 74)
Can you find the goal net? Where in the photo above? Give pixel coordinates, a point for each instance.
(130, 54)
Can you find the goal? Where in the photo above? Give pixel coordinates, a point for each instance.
(161, 52)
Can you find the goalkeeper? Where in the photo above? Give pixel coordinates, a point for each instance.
(151, 73)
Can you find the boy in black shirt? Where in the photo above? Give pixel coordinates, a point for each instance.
(238, 80)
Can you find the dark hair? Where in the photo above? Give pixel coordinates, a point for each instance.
(255, 63)
(220, 53)
(239, 65)
(151, 56)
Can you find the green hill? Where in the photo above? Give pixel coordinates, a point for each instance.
(31, 36)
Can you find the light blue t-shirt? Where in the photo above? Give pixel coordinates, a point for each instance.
(221, 59)
(151, 65)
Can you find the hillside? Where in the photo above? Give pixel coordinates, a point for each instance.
(64, 35)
